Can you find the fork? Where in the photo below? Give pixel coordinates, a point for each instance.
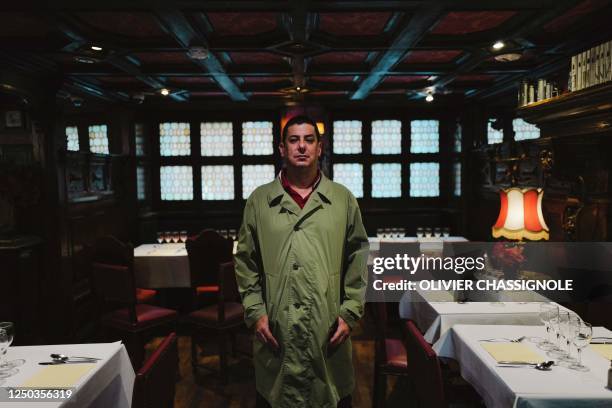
(501, 339)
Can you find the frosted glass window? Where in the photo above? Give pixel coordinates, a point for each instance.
(424, 179)
(458, 138)
(386, 137)
(139, 139)
(174, 139)
(254, 176)
(494, 135)
(386, 180)
(424, 136)
(257, 138)
(216, 139)
(217, 182)
(524, 130)
(141, 189)
(98, 139)
(176, 183)
(351, 176)
(72, 138)
(457, 177)
(347, 136)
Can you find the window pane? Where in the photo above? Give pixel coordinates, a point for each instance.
(386, 180)
(424, 179)
(351, 176)
(216, 139)
(457, 177)
(174, 139)
(176, 183)
(494, 135)
(141, 187)
(458, 138)
(424, 136)
(257, 138)
(386, 137)
(72, 138)
(254, 176)
(98, 139)
(217, 182)
(524, 130)
(139, 139)
(347, 136)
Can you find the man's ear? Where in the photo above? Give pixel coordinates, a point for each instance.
(281, 149)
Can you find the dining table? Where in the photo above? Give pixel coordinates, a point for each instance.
(164, 265)
(108, 382)
(521, 385)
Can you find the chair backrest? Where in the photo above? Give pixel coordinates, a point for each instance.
(206, 251)
(380, 316)
(155, 381)
(110, 250)
(228, 288)
(424, 367)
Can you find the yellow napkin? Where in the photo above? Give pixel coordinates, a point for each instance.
(514, 352)
(58, 376)
(603, 349)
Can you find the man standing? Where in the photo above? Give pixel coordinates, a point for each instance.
(301, 270)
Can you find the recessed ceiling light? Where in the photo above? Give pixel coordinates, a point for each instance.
(429, 98)
(197, 53)
(508, 57)
(96, 48)
(297, 88)
(498, 45)
(164, 91)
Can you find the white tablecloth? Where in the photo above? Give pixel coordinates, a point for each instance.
(435, 312)
(109, 384)
(525, 386)
(163, 266)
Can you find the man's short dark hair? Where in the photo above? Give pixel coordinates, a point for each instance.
(299, 120)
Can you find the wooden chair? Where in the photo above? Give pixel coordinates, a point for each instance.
(110, 250)
(390, 356)
(155, 381)
(133, 322)
(221, 319)
(206, 251)
(434, 387)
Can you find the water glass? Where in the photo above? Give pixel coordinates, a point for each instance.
(569, 330)
(7, 335)
(584, 333)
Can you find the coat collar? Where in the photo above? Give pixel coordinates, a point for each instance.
(277, 195)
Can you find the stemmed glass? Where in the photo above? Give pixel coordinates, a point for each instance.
(427, 232)
(175, 237)
(160, 237)
(547, 312)
(7, 334)
(419, 232)
(581, 340)
(183, 236)
(446, 232)
(556, 323)
(437, 232)
(379, 233)
(569, 330)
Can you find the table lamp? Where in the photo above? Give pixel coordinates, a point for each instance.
(520, 215)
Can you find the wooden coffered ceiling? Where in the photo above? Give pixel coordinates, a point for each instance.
(296, 50)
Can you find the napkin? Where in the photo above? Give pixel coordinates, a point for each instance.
(58, 376)
(515, 352)
(603, 349)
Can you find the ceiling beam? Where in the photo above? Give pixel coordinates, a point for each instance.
(176, 24)
(412, 32)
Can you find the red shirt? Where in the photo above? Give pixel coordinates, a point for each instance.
(301, 201)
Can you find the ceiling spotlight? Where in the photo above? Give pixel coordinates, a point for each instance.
(96, 48)
(508, 57)
(164, 91)
(498, 45)
(429, 97)
(197, 53)
(297, 88)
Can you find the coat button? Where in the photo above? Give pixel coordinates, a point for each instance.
(296, 266)
(297, 305)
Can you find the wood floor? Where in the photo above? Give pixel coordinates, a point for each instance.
(207, 391)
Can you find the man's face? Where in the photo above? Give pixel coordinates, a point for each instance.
(301, 147)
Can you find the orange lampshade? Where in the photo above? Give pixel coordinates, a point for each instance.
(520, 215)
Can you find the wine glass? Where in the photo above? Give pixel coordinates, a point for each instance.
(232, 234)
(446, 232)
(547, 311)
(556, 323)
(569, 330)
(167, 237)
(8, 328)
(160, 237)
(427, 232)
(581, 340)
(175, 237)
(183, 236)
(419, 232)
(437, 232)
(379, 233)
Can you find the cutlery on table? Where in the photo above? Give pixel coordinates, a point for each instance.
(543, 366)
(58, 362)
(63, 357)
(503, 339)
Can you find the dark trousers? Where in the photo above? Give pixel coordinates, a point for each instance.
(345, 402)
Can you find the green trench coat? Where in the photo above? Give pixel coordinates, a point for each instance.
(303, 268)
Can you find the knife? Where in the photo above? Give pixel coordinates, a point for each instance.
(67, 362)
